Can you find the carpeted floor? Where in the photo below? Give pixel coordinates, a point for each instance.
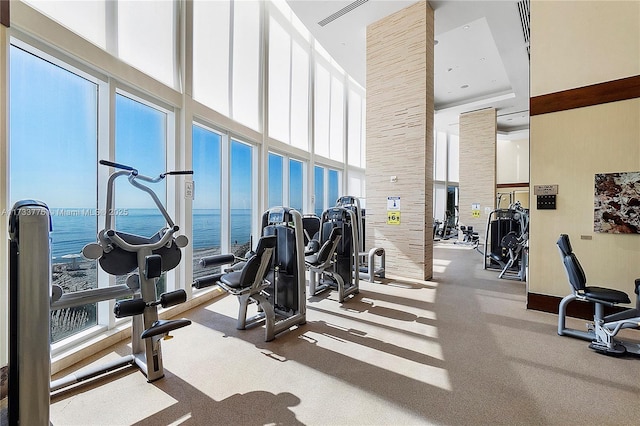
(458, 350)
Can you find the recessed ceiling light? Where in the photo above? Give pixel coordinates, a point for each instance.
(464, 86)
(449, 69)
(466, 27)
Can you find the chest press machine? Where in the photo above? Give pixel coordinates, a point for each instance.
(334, 265)
(366, 262)
(271, 277)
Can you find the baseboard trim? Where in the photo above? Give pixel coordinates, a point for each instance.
(575, 309)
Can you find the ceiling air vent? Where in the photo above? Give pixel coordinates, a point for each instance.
(348, 8)
(523, 8)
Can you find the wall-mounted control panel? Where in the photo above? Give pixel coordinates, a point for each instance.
(545, 196)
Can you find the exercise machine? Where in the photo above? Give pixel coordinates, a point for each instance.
(273, 276)
(366, 263)
(469, 236)
(33, 297)
(339, 270)
(449, 228)
(506, 242)
(603, 330)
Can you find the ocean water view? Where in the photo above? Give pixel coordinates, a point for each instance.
(73, 228)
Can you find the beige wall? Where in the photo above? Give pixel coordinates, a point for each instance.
(477, 166)
(578, 43)
(595, 42)
(400, 138)
(512, 161)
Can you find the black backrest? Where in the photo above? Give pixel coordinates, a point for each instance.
(311, 226)
(250, 269)
(328, 247)
(575, 273)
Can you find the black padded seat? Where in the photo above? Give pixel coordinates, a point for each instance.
(246, 277)
(234, 280)
(326, 250)
(606, 295)
(578, 279)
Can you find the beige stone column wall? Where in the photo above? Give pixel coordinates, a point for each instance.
(477, 167)
(400, 139)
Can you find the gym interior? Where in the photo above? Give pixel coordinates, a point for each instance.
(247, 212)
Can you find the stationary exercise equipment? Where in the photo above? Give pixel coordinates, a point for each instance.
(273, 276)
(603, 330)
(449, 228)
(506, 242)
(339, 269)
(366, 263)
(32, 297)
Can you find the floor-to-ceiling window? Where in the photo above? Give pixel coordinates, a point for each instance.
(296, 185)
(318, 190)
(140, 142)
(140, 103)
(206, 212)
(53, 158)
(275, 179)
(240, 196)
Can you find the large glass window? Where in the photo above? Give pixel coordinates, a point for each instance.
(146, 32)
(53, 158)
(333, 187)
(211, 54)
(299, 97)
(206, 214)
(336, 139)
(246, 63)
(279, 79)
(454, 159)
(140, 143)
(322, 110)
(87, 18)
(288, 88)
(241, 196)
(276, 167)
(296, 185)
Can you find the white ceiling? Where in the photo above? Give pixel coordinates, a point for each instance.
(480, 59)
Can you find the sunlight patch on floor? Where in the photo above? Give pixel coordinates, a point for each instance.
(428, 374)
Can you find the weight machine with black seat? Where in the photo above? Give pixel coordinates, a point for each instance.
(273, 276)
(506, 242)
(603, 330)
(32, 297)
(339, 270)
(366, 263)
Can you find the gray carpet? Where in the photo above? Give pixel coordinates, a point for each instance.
(458, 350)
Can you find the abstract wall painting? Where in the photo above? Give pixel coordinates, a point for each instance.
(617, 203)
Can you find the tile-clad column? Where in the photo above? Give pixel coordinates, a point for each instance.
(477, 167)
(400, 139)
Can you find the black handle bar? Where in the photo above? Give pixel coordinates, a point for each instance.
(179, 172)
(135, 171)
(117, 165)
